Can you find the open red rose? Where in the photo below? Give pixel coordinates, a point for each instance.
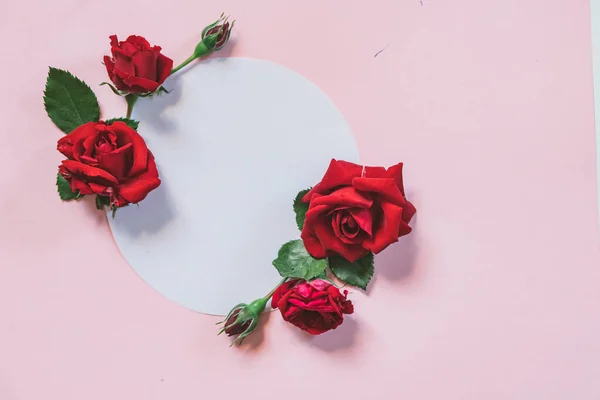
(315, 307)
(355, 210)
(135, 66)
(108, 160)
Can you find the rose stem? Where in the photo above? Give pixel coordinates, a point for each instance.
(183, 64)
(268, 296)
(131, 99)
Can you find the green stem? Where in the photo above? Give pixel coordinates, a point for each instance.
(268, 296)
(131, 100)
(183, 64)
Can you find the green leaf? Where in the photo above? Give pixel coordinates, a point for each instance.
(358, 273)
(69, 102)
(322, 275)
(300, 208)
(132, 123)
(64, 189)
(293, 261)
(102, 201)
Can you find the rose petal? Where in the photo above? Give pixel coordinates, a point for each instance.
(144, 63)
(139, 42)
(363, 218)
(93, 174)
(164, 65)
(304, 290)
(384, 186)
(78, 184)
(313, 246)
(390, 226)
(339, 173)
(281, 290)
(115, 161)
(123, 58)
(320, 284)
(65, 143)
(136, 189)
(344, 197)
(140, 85)
(395, 172)
(126, 135)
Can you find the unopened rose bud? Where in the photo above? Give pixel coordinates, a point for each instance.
(218, 32)
(242, 320)
(214, 36)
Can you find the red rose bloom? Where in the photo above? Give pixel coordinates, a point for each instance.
(355, 210)
(108, 160)
(135, 66)
(315, 307)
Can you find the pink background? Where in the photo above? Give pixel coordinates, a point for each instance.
(495, 295)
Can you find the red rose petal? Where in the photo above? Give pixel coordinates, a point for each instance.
(390, 227)
(140, 85)
(384, 186)
(164, 65)
(339, 173)
(91, 173)
(115, 161)
(363, 218)
(144, 63)
(65, 143)
(136, 189)
(347, 197)
(125, 135)
(281, 290)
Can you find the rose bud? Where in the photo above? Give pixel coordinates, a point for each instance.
(314, 307)
(242, 320)
(214, 37)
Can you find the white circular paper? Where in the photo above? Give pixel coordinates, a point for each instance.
(235, 141)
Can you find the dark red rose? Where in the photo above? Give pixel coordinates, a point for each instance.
(108, 160)
(355, 210)
(315, 307)
(135, 66)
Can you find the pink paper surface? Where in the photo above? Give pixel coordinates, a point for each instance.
(494, 296)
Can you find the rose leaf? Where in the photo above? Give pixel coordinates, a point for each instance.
(64, 189)
(293, 261)
(69, 102)
(358, 273)
(300, 208)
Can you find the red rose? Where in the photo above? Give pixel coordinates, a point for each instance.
(315, 307)
(136, 67)
(355, 210)
(108, 160)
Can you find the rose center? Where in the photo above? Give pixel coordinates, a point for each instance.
(345, 224)
(105, 144)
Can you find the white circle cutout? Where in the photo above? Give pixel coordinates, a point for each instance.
(234, 141)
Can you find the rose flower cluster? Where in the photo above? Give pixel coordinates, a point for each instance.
(353, 213)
